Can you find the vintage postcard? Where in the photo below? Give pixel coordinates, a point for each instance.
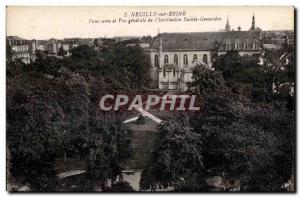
(150, 99)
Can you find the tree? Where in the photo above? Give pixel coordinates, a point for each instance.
(83, 52)
(206, 80)
(35, 127)
(246, 141)
(176, 158)
(250, 154)
(241, 140)
(244, 75)
(108, 147)
(62, 52)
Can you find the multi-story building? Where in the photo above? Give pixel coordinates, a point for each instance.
(173, 55)
(20, 48)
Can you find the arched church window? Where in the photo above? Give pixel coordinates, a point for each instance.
(166, 59)
(205, 58)
(175, 59)
(156, 61)
(185, 59)
(237, 44)
(195, 58)
(228, 44)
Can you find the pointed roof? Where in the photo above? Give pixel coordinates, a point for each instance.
(227, 26)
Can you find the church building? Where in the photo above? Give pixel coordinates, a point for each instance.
(173, 55)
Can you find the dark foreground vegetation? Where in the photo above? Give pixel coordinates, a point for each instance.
(245, 132)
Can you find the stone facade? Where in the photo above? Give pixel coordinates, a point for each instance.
(20, 48)
(173, 55)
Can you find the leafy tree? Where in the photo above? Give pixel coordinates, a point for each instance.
(241, 140)
(244, 75)
(83, 52)
(62, 52)
(206, 80)
(108, 148)
(176, 158)
(35, 126)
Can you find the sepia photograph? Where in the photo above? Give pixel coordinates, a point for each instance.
(150, 99)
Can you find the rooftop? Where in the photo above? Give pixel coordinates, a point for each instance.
(202, 40)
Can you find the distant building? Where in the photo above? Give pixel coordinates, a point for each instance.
(142, 45)
(271, 46)
(173, 55)
(124, 38)
(278, 37)
(20, 48)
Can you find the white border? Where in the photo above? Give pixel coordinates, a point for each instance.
(4, 3)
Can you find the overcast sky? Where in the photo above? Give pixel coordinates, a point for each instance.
(64, 22)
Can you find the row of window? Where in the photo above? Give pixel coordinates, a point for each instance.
(20, 48)
(185, 59)
(17, 42)
(237, 45)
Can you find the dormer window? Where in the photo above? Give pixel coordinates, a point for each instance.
(237, 44)
(255, 45)
(227, 44)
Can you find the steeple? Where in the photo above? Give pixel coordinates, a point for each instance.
(227, 27)
(253, 23)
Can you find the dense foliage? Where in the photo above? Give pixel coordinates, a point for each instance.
(177, 158)
(243, 136)
(52, 111)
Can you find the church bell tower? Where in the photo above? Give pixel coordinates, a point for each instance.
(227, 27)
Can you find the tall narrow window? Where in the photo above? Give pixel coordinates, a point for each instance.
(166, 59)
(185, 59)
(155, 61)
(164, 72)
(175, 59)
(228, 44)
(255, 44)
(205, 58)
(237, 44)
(195, 58)
(174, 72)
(246, 43)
